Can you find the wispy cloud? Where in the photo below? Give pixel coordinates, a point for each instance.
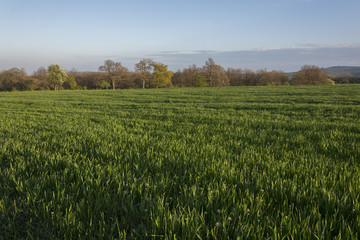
(188, 52)
(311, 46)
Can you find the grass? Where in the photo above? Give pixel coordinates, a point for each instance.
(196, 163)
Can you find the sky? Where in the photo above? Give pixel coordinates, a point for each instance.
(254, 34)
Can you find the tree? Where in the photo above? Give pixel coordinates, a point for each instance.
(311, 75)
(187, 77)
(112, 69)
(104, 84)
(41, 75)
(191, 76)
(90, 80)
(162, 77)
(235, 76)
(56, 75)
(13, 79)
(272, 78)
(31, 83)
(143, 68)
(72, 83)
(250, 78)
(200, 81)
(123, 78)
(215, 74)
(178, 79)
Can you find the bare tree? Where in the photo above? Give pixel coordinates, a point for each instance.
(272, 78)
(311, 75)
(41, 75)
(215, 74)
(190, 74)
(13, 79)
(235, 76)
(144, 68)
(112, 69)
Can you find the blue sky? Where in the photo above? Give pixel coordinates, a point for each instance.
(271, 34)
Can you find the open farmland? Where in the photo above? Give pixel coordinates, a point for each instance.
(196, 163)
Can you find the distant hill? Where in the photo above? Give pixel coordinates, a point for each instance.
(343, 71)
(339, 72)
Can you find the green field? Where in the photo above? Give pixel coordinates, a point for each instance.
(196, 163)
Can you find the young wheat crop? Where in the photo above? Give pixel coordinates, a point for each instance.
(196, 163)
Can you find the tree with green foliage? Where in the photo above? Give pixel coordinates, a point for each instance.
(162, 77)
(30, 84)
(57, 76)
(72, 82)
(200, 81)
(104, 84)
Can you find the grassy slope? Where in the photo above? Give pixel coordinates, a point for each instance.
(252, 162)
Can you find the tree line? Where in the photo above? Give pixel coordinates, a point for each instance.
(150, 74)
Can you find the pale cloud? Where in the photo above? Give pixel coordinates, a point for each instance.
(286, 59)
